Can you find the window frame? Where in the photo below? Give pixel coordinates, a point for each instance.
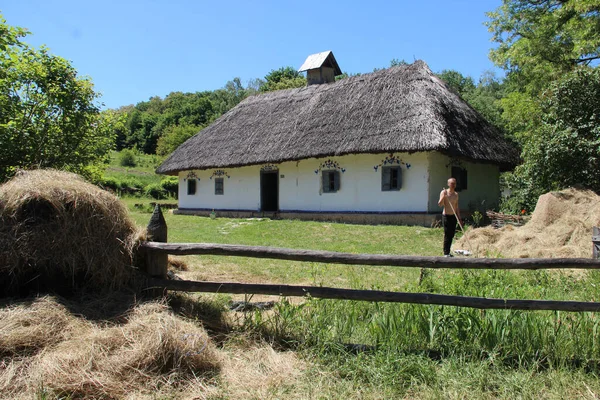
(330, 181)
(191, 187)
(219, 191)
(391, 188)
(461, 176)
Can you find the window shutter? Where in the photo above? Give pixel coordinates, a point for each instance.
(219, 186)
(386, 179)
(325, 181)
(336, 181)
(399, 175)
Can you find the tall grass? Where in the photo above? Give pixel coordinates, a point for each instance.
(383, 350)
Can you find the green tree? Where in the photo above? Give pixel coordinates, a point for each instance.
(283, 78)
(564, 149)
(538, 40)
(462, 84)
(485, 97)
(396, 62)
(174, 136)
(48, 114)
(149, 121)
(544, 45)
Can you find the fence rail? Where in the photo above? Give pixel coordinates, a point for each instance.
(332, 257)
(156, 251)
(371, 295)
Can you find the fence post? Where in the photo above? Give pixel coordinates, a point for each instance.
(595, 242)
(157, 263)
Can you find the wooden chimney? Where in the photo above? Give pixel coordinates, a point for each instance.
(320, 68)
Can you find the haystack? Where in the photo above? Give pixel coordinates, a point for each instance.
(59, 232)
(560, 226)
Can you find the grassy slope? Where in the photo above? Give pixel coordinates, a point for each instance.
(418, 351)
(142, 172)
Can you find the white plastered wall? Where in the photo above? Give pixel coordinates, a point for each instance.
(483, 183)
(360, 185)
(241, 189)
(300, 187)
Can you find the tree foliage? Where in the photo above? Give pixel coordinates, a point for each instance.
(550, 50)
(174, 136)
(564, 149)
(540, 39)
(48, 114)
(484, 96)
(148, 123)
(283, 78)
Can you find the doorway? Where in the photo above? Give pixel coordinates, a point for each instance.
(269, 190)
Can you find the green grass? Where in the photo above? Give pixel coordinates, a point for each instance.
(142, 172)
(410, 351)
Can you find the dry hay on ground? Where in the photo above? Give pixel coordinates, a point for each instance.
(560, 226)
(43, 347)
(47, 349)
(57, 231)
(259, 372)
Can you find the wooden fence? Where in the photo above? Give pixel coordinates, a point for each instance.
(157, 250)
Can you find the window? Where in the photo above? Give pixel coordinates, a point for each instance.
(218, 185)
(191, 186)
(391, 178)
(460, 174)
(331, 181)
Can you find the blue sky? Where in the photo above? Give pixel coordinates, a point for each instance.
(133, 50)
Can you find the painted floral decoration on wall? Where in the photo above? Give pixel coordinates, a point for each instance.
(191, 175)
(391, 159)
(329, 165)
(269, 167)
(219, 172)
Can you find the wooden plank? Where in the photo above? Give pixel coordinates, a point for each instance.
(373, 295)
(157, 263)
(368, 259)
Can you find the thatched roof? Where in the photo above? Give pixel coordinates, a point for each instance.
(400, 109)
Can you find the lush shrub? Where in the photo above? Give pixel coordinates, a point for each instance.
(170, 185)
(110, 183)
(128, 158)
(156, 191)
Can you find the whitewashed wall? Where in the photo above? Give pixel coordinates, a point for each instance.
(241, 191)
(483, 183)
(300, 187)
(360, 186)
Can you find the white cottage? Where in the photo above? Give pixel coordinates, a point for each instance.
(371, 148)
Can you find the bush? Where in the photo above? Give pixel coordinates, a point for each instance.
(156, 191)
(170, 185)
(128, 158)
(132, 184)
(110, 183)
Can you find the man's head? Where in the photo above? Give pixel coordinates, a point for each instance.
(452, 183)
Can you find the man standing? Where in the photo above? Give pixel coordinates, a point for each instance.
(450, 214)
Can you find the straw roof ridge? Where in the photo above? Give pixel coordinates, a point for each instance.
(401, 109)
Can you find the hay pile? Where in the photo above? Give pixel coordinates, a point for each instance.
(560, 226)
(57, 231)
(44, 349)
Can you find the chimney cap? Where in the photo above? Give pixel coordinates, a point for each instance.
(319, 60)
